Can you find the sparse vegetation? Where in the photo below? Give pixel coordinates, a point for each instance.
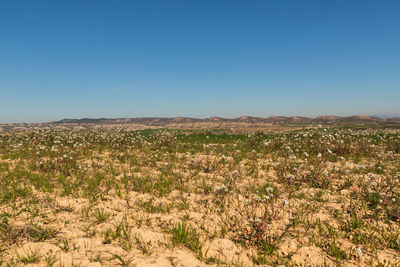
(313, 196)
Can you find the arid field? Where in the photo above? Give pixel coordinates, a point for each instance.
(312, 197)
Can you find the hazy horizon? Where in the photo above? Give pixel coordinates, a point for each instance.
(125, 59)
(260, 116)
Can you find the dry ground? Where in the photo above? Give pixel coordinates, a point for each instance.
(321, 197)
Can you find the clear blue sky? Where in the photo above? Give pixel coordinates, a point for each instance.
(74, 59)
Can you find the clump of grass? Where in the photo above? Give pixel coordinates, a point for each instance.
(151, 207)
(39, 233)
(29, 257)
(335, 251)
(184, 234)
(50, 259)
(123, 261)
(259, 259)
(142, 245)
(121, 232)
(101, 215)
(64, 245)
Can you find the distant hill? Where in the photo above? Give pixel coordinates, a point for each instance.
(243, 119)
(243, 122)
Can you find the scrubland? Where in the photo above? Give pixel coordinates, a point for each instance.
(321, 197)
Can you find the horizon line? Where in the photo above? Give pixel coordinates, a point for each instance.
(383, 117)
